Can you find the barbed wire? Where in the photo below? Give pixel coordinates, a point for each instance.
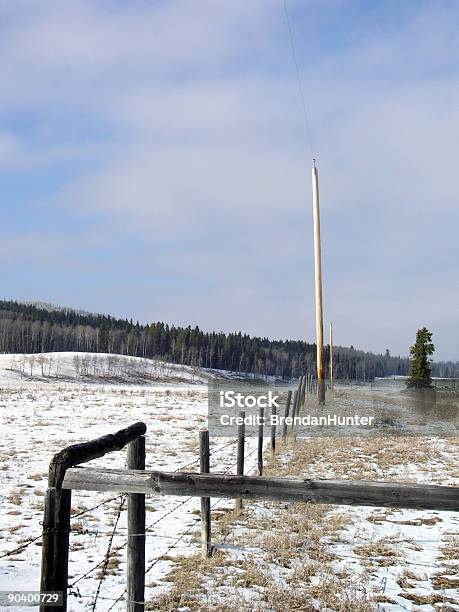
(25, 545)
(108, 553)
(182, 467)
(88, 510)
(21, 547)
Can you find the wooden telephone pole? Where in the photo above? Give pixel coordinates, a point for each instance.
(318, 284)
(330, 367)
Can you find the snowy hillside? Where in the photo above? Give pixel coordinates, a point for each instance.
(97, 367)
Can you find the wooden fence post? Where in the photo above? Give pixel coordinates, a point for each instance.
(298, 400)
(261, 417)
(273, 429)
(204, 465)
(240, 455)
(47, 563)
(286, 415)
(56, 530)
(295, 400)
(135, 591)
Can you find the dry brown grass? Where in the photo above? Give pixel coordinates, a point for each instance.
(450, 549)
(293, 567)
(111, 568)
(442, 583)
(186, 576)
(406, 577)
(379, 548)
(428, 600)
(15, 497)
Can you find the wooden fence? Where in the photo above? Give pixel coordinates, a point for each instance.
(66, 474)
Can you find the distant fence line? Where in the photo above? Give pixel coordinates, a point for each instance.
(400, 381)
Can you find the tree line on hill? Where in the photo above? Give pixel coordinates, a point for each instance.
(34, 328)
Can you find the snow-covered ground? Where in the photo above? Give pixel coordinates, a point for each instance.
(43, 411)
(48, 402)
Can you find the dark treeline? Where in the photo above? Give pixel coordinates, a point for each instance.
(34, 328)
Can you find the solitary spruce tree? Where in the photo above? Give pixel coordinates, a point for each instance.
(420, 371)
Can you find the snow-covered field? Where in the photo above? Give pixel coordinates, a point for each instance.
(402, 559)
(40, 415)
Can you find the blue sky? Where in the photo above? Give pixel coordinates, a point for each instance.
(154, 163)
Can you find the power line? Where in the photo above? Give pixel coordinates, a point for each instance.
(298, 76)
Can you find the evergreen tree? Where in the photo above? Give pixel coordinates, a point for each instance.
(420, 369)
(102, 338)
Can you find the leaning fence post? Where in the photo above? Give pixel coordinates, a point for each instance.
(135, 591)
(273, 429)
(261, 423)
(204, 465)
(286, 415)
(240, 454)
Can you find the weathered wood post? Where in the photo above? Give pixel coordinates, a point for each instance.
(135, 592)
(295, 405)
(240, 454)
(286, 415)
(273, 429)
(318, 286)
(300, 392)
(261, 423)
(204, 465)
(47, 560)
(56, 530)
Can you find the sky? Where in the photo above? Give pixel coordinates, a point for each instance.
(154, 164)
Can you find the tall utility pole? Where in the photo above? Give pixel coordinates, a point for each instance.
(318, 282)
(330, 367)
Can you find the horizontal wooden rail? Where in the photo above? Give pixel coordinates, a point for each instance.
(341, 492)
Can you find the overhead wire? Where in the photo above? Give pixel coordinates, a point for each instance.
(298, 77)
